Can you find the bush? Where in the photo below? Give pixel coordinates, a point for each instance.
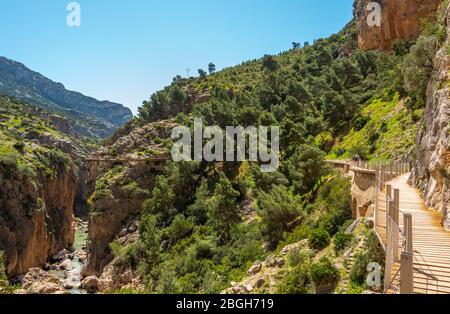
(334, 205)
(19, 146)
(358, 273)
(5, 287)
(319, 238)
(297, 257)
(280, 209)
(341, 241)
(298, 281)
(9, 160)
(359, 150)
(372, 253)
(323, 272)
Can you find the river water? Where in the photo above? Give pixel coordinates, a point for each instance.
(73, 276)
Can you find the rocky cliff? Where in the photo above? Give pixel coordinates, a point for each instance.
(38, 184)
(431, 171)
(400, 20)
(88, 116)
(36, 218)
(124, 176)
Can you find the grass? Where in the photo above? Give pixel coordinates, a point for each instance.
(389, 132)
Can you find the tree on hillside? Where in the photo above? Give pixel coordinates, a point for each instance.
(296, 45)
(270, 63)
(280, 208)
(202, 73)
(223, 207)
(305, 168)
(417, 68)
(211, 68)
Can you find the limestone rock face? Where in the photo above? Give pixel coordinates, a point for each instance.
(400, 19)
(431, 173)
(116, 209)
(35, 218)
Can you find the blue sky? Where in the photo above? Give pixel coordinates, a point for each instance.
(126, 50)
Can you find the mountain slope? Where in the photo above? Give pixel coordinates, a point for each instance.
(88, 116)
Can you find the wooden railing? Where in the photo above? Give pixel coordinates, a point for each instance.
(393, 238)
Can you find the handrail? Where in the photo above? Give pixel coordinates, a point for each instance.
(389, 285)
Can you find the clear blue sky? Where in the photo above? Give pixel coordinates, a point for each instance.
(126, 50)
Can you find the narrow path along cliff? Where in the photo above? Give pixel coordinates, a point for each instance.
(431, 242)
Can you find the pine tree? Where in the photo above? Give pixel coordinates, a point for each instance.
(223, 207)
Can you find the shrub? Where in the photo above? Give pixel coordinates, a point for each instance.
(318, 238)
(372, 253)
(323, 272)
(334, 204)
(358, 272)
(280, 208)
(9, 160)
(297, 257)
(5, 287)
(19, 146)
(359, 150)
(298, 281)
(341, 241)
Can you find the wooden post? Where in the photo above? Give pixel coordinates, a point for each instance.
(396, 218)
(388, 199)
(407, 273)
(408, 232)
(391, 214)
(388, 193)
(377, 194)
(407, 258)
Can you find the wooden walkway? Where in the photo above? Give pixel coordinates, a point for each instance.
(431, 242)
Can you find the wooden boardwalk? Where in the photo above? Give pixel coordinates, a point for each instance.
(431, 242)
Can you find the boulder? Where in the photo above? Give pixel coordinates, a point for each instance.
(260, 282)
(248, 288)
(66, 265)
(256, 268)
(90, 284)
(280, 262)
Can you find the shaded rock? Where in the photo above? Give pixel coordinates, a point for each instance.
(256, 268)
(260, 282)
(90, 284)
(280, 262)
(65, 265)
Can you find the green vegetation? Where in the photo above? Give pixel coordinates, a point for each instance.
(319, 238)
(5, 287)
(203, 224)
(20, 156)
(370, 254)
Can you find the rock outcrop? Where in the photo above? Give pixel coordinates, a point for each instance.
(122, 186)
(36, 218)
(431, 172)
(37, 188)
(400, 20)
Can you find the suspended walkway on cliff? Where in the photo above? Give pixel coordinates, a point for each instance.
(430, 242)
(416, 244)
